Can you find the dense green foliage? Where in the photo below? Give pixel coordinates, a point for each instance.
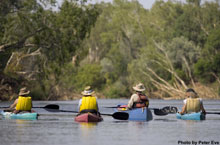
(55, 36)
(110, 46)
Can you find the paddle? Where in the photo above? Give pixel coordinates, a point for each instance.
(218, 113)
(119, 115)
(165, 110)
(116, 115)
(157, 111)
(171, 110)
(175, 110)
(50, 106)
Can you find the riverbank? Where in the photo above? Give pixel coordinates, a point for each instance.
(9, 89)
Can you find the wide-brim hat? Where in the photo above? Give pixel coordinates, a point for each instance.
(139, 87)
(87, 91)
(24, 91)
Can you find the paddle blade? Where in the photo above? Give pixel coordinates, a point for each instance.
(159, 112)
(170, 109)
(120, 115)
(52, 106)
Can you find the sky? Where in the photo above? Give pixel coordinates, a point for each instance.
(146, 3)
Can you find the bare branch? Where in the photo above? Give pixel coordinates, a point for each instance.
(189, 71)
(217, 78)
(172, 72)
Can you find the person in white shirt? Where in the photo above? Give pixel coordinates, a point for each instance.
(192, 103)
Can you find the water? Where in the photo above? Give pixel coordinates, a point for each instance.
(54, 128)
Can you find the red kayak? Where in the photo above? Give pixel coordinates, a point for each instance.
(88, 117)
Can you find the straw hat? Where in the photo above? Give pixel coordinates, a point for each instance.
(139, 87)
(24, 91)
(87, 91)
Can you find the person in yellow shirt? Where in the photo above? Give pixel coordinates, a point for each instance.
(89, 102)
(23, 102)
(192, 103)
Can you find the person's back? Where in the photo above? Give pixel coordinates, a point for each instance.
(138, 99)
(88, 103)
(192, 103)
(24, 103)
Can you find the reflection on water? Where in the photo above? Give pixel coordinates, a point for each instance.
(20, 123)
(20, 129)
(165, 120)
(137, 125)
(84, 126)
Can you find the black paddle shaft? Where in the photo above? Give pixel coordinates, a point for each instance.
(218, 113)
(116, 115)
(50, 106)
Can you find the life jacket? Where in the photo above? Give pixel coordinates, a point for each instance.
(88, 103)
(142, 101)
(192, 105)
(24, 104)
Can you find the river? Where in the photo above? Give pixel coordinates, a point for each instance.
(53, 128)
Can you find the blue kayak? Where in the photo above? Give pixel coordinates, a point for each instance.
(23, 116)
(191, 116)
(138, 114)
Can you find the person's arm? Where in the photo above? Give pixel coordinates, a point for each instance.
(132, 100)
(97, 104)
(202, 107)
(147, 102)
(184, 107)
(14, 104)
(130, 103)
(80, 102)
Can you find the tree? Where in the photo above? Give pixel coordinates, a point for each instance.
(207, 68)
(55, 36)
(89, 74)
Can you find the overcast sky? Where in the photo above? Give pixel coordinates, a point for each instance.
(146, 3)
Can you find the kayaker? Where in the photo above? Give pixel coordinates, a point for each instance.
(192, 103)
(138, 99)
(23, 102)
(89, 102)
